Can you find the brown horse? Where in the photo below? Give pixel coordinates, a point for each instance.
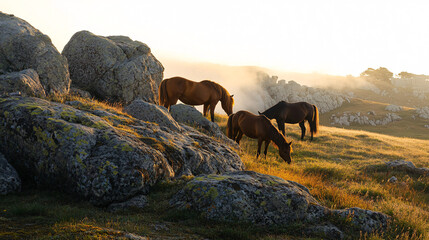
(293, 113)
(195, 93)
(261, 128)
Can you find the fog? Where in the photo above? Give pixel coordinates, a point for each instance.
(242, 80)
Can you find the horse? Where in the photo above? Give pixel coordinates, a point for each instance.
(293, 113)
(261, 128)
(189, 92)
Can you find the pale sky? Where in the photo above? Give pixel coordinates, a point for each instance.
(335, 37)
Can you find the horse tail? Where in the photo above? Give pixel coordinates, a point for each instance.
(163, 96)
(229, 129)
(314, 124)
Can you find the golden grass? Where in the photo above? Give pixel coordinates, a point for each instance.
(90, 104)
(345, 168)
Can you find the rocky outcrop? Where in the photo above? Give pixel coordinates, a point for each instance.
(393, 108)
(349, 118)
(9, 179)
(137, 202)
(423, 112)
(276, 91)
(189, 115)
(99, 153)
(23, 47)
(113, 68)
(407, 166)
(267, 200)
(152, 113)
(26, 81)
(80, 93)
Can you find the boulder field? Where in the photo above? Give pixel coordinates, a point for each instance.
(99, 154)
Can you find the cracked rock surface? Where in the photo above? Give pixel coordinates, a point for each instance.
(113, 68)
(101, 154)
(23, 47)
(265, 200)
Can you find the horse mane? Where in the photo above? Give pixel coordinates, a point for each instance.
(277, 136)
(224, 94)
(273, 111)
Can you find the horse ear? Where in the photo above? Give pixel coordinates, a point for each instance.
(232, 95)
(259, 112)
(290, 142)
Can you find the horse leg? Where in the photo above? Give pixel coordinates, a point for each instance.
(235, 133)
(206, 106)
(302, 125)
(267, 142)
(170, 103)
(167, 104)
(281, 125)
(240, 135)
(259, 148)
(212, 108)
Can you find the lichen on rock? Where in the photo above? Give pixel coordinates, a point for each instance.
(113, 68)
(260, 199)
(98, 154)
(23, 47)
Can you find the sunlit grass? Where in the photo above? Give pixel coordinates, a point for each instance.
(345, 168)
(89, 104)
(342, 168)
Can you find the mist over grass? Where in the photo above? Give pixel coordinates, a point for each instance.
(242, 81)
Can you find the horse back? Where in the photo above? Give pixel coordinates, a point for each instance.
(253, 126)
(295, 112)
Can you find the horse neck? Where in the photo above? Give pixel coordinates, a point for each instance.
(223, 94)
(270, 113)
(277, 137)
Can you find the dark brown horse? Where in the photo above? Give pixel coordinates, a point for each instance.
(205, 93)
(258, 127)
(293, 113)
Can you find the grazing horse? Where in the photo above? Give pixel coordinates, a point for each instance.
(293, 113)
(195, 93)
(261, 128)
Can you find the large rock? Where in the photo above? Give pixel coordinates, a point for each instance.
(114, 68)
(101, 154)
(22, 47)
(268, 200)
(137, 202)
(80, 93)
(407, 166)
(26, 81)
(152, 113)
(9, 179)
(190, 116)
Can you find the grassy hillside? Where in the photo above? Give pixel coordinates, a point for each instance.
(342, 168)
(406, 127)
(345, 168)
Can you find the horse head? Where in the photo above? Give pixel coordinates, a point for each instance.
(285, 150)
(227, 104)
